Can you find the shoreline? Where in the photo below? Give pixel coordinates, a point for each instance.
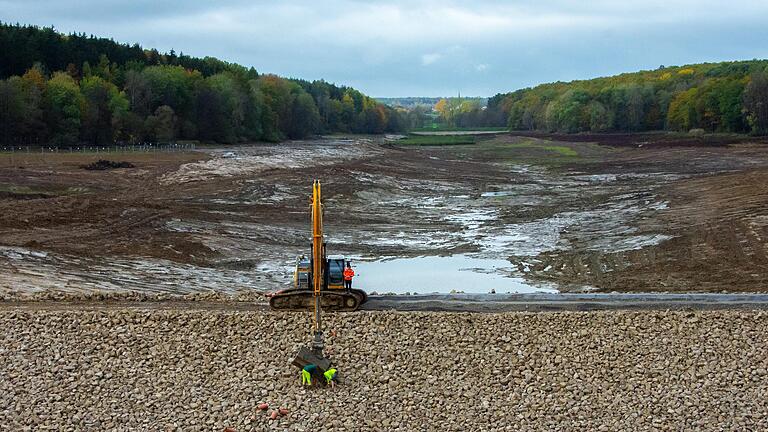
(477, 303)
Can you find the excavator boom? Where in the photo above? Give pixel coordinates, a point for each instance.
(318, 259)
(317, 239)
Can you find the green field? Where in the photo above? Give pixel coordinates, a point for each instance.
(558, 150)
(444, 128)
(435, 140)
(532, 152)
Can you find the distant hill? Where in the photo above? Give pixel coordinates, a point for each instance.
(715, 97)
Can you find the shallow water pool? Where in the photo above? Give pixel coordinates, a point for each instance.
(441, 274)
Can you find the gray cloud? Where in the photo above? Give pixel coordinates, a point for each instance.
(426, 47)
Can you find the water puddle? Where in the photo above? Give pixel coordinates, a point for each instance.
(473, 218)
(436, 274)
(497, 194)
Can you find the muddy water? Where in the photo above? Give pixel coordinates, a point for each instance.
(436, 274)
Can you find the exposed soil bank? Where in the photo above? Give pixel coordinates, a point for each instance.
(206, 370)
(648, 139)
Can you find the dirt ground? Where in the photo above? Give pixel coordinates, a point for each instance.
(570, 215)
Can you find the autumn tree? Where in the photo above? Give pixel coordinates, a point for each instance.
(275, 93)
(33, 84)
(305, 117)
(682, 111)
(139, 92)
(65, 104)
(11, 110)
(162, 125)
(448, 109)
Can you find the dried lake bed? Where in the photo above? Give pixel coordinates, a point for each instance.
(502, 215)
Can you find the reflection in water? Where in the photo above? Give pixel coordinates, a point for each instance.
(441, 274)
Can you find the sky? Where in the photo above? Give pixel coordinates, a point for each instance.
(424, 47)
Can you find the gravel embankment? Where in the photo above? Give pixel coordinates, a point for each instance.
(207, 370)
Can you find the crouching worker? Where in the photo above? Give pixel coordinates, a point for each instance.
(330, 377)
(311, 369)
(306, 374)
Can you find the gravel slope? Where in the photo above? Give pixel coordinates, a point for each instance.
(207, 370)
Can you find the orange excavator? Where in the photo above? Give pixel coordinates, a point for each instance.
(318, 284)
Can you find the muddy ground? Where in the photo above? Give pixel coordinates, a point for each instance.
(571, 216)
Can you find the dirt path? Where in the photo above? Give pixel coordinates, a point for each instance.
(479, 303)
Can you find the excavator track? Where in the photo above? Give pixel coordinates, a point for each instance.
(330, 301)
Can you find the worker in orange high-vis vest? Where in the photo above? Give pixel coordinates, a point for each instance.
(348, 275)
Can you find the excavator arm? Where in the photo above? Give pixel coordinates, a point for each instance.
(318, 259)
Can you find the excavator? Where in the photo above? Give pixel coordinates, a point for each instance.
(318, 284)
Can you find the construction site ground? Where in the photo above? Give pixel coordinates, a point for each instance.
(133, 298)
(529, 213)
(207, 370)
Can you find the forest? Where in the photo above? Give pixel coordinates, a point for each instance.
(730, 97)
(64, 90)
(713, 97)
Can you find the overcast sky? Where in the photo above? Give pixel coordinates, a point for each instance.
(423, 47)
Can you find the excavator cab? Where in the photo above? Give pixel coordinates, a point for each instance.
(302, 276)
(334, 272)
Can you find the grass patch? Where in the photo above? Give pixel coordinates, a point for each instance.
(442, 128)
(559, 150)
(530, 151)
(435, 140)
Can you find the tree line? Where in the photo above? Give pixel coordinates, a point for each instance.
(715, 97)
(67, 89)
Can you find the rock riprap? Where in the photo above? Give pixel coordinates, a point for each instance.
(121, 369)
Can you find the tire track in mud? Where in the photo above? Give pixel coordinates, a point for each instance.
(666, 219)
